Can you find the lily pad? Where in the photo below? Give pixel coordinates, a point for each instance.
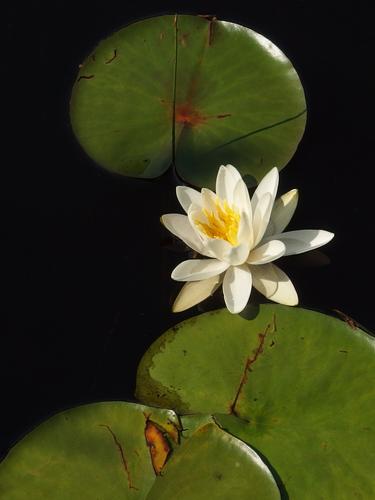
(296, 385)
(212, 462)
(192, 91)
(118, 450)
(93, 451)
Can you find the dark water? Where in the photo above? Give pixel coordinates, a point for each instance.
(85, 274)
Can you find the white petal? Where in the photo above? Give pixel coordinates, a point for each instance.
(286, 293)
(269, 185)
(241, 198)
(238, 254)
(226, 181)
(208, 199)
(282, 212)
(194, 292)
(186, 196)
(268, 252)
(180, 226)
(272, 282)
(243, 204)
(195, 213)
(261, 217)
(237, 288)
(302, 241)
(234, 173)
(264, 279)
(245, 231)
(223, 250)
(218, 249)
(198, 269)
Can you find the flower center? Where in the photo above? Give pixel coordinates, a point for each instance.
(221, 223)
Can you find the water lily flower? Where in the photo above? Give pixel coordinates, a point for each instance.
(239, 238)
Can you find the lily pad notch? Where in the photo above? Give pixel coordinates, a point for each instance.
(190, 91)
(124, 450)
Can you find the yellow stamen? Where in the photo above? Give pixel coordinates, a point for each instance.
(222, 222)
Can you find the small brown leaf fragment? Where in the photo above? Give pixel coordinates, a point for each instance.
(225, 115)
(158, 445)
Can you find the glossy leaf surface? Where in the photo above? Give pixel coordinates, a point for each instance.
(213, 463)
(190, 90)
(295, 384)
(93, 451)
(117, 451)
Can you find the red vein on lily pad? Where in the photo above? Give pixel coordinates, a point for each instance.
(187, 114)
(122, 454)
(251, 360)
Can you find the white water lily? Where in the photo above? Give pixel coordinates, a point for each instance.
(241, 238)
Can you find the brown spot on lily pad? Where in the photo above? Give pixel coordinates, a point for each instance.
(188, 115)
(158, 445)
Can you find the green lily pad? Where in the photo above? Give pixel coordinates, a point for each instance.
(296, 385)
(89, 452)
(212, 462)
(118, 450)
(189, 90)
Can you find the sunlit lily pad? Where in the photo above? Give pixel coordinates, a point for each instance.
(189, 90)
(295, 384)
(213, 463)
(120, 450)
(93, 451)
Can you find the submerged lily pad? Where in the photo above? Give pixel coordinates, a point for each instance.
(190, 90)
(93, 451)
(296, 385)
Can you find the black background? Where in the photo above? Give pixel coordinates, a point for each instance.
(85, 272)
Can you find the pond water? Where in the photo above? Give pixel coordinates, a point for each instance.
(86, 272)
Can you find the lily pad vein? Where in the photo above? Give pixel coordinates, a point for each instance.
(270, 328)
(122, 455)
(257, 131)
